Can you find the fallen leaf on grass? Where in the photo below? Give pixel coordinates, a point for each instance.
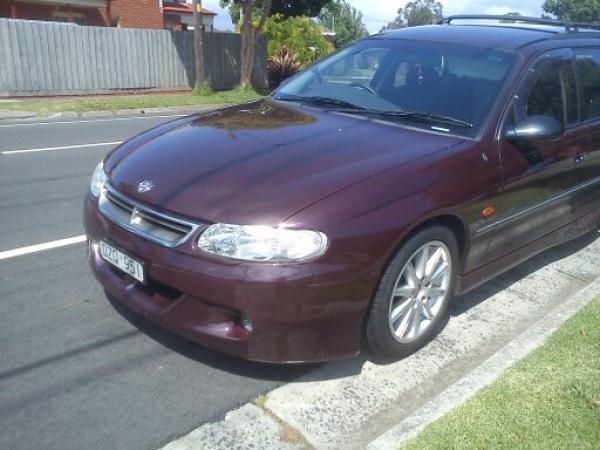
(595, 403)
(518, 436)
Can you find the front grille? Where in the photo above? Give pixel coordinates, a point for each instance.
(143, 221)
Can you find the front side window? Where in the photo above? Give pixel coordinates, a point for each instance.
(435, 79)
(588, 67)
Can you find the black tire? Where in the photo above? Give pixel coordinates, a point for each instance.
(379, 337)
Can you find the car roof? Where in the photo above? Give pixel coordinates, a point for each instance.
(502, 36)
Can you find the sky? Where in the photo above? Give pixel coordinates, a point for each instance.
(377, 13)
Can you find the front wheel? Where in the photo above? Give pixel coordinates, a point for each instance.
(412, 298)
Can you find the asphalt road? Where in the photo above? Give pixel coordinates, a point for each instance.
(77, 372)
(74, 371)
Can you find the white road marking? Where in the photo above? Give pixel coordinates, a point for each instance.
(111, 119)
(41, 247)
(62, 147)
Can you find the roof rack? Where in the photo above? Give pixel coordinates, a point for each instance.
(569, 27)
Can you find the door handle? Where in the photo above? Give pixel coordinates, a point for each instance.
(580, 158)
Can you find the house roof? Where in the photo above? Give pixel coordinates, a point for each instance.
(184, 8)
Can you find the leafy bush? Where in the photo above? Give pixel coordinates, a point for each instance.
(300, 34)
(282, 65)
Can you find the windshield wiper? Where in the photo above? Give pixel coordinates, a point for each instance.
(430, 117)
(321, 100)
(416, 115)
(349, 107)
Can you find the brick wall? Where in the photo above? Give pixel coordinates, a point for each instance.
(137, 13)
(4, 9)
(35, 11)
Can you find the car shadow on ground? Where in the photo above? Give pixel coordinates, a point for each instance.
(352, 366)
(214, 359)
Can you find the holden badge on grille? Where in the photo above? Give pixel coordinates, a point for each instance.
(135, 218)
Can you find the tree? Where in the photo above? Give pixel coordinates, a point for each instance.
(415, 13)
(262, 9)
(345, 21)
(575, 10)
(198, 44)
(300, 34)
(310, 8)
(397, 23)
(510, 14)
(286, 8)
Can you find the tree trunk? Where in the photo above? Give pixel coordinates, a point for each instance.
(247, 41)
(250, 35)
(198, 43)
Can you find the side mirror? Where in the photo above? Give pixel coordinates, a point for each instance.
(535, 128)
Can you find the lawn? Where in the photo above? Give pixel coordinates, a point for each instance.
(112, 103)
(550, 399)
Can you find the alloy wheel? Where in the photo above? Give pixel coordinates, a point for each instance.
(420, 291)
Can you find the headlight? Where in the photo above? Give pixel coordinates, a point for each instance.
(262, 243)
(98, 180)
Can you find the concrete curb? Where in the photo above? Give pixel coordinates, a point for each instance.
(486, 373)
(246, 428)
(362, 404)
(16, 114)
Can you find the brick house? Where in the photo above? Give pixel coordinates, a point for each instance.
(172, 14)
(178, 15)
(83, 12)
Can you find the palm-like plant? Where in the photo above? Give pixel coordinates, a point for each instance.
(282, 65)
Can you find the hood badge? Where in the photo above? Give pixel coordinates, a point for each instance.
(145, 186)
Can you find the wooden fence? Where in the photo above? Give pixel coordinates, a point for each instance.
(45, 58)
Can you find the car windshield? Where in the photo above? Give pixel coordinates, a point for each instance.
(434, 85)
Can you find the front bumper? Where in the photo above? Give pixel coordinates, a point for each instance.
(295, 317)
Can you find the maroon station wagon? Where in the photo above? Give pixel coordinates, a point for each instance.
(347, 209)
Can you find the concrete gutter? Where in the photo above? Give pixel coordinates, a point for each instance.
(363, 403)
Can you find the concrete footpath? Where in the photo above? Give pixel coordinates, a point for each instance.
(363, 403)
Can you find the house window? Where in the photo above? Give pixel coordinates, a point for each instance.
(63, 16)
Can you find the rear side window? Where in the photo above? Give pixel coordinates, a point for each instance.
(588, 67)
(550, 88)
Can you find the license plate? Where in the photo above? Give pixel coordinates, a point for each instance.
(122, 261)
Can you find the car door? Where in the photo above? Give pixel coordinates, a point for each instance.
(587, 64)
(538, 174)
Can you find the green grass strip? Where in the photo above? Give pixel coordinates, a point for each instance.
(113, 103)
(548, 400)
